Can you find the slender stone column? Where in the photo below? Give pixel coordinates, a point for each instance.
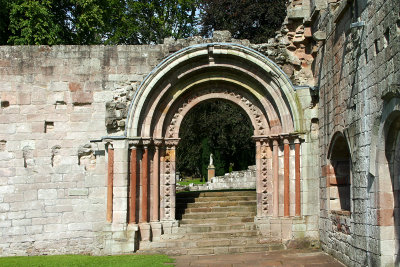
(162, 152)
(173, 181)
(155, 198)
(156, 227)
(258, 179)
(297, 177)
(275, 166)
(268, 183)
(133, 185)
(145, 185)
(286, 192)
(110, 178)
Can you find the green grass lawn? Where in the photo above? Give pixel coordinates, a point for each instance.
(192, 181)
(84, 260)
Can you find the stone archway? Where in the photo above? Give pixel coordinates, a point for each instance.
(195, 74)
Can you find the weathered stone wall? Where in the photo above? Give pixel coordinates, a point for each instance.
(52, 179)
(54, 101)
(354, 65)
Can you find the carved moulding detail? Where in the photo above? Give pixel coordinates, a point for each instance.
(254, 111)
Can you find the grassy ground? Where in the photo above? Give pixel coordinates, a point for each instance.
(192, 181)
(84, 260)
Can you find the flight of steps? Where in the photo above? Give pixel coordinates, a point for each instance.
(211, 223)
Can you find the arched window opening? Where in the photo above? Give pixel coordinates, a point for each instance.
(215, 127)
(339, 174)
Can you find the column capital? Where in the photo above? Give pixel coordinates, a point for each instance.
(133, 143)
(171, 142)
(261, 138)
(146, 142)
(158, 142)
(275, 142)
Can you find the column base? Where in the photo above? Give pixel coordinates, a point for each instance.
(156, 230)
(170, 227)
(120, 238)
(145, 231)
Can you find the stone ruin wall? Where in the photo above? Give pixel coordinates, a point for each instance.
(54, 100)
(353, 67)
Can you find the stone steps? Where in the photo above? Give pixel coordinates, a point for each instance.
(217, 204)
(217, 215)
(216, 199)
(219, 221)
(211, 223)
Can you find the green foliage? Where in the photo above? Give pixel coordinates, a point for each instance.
(96, 21)
(4, 21)
(150, 21)
(85, 260)
(191, 181)
(88, 21)
(31, 22)
(216, 127)
(256, 20)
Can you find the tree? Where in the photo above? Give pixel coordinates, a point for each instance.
(4, 21)
(32, 23)
(86, 22)
(217, 127)
(150, 21)
(256, 20)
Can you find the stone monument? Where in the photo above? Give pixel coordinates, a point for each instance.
(211, 168)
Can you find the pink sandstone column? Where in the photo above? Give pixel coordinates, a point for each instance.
(297, 177)
(286, 198)
(275, 166)
(155, 200)
(162, 153)
(145, 185)
(258, 178)
(110, 184)
(133, 185)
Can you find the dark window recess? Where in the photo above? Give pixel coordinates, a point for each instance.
(5, 104)
(48, 126)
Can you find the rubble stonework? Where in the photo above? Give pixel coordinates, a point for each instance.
(325, 107)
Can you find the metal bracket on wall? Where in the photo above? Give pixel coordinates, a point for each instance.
(357, 24)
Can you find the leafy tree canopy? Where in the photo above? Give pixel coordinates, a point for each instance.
(134, 21)
(256, 20)
(216, 127)
(150, 21)
(4, 21)
(95, 21)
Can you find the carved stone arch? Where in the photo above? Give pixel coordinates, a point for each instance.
(242, 59)
(172, 125)
(236, 74)
(243, 96)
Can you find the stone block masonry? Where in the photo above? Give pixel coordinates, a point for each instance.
(53, 192)
(53, 182)
(57, 194)
(355, 64)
